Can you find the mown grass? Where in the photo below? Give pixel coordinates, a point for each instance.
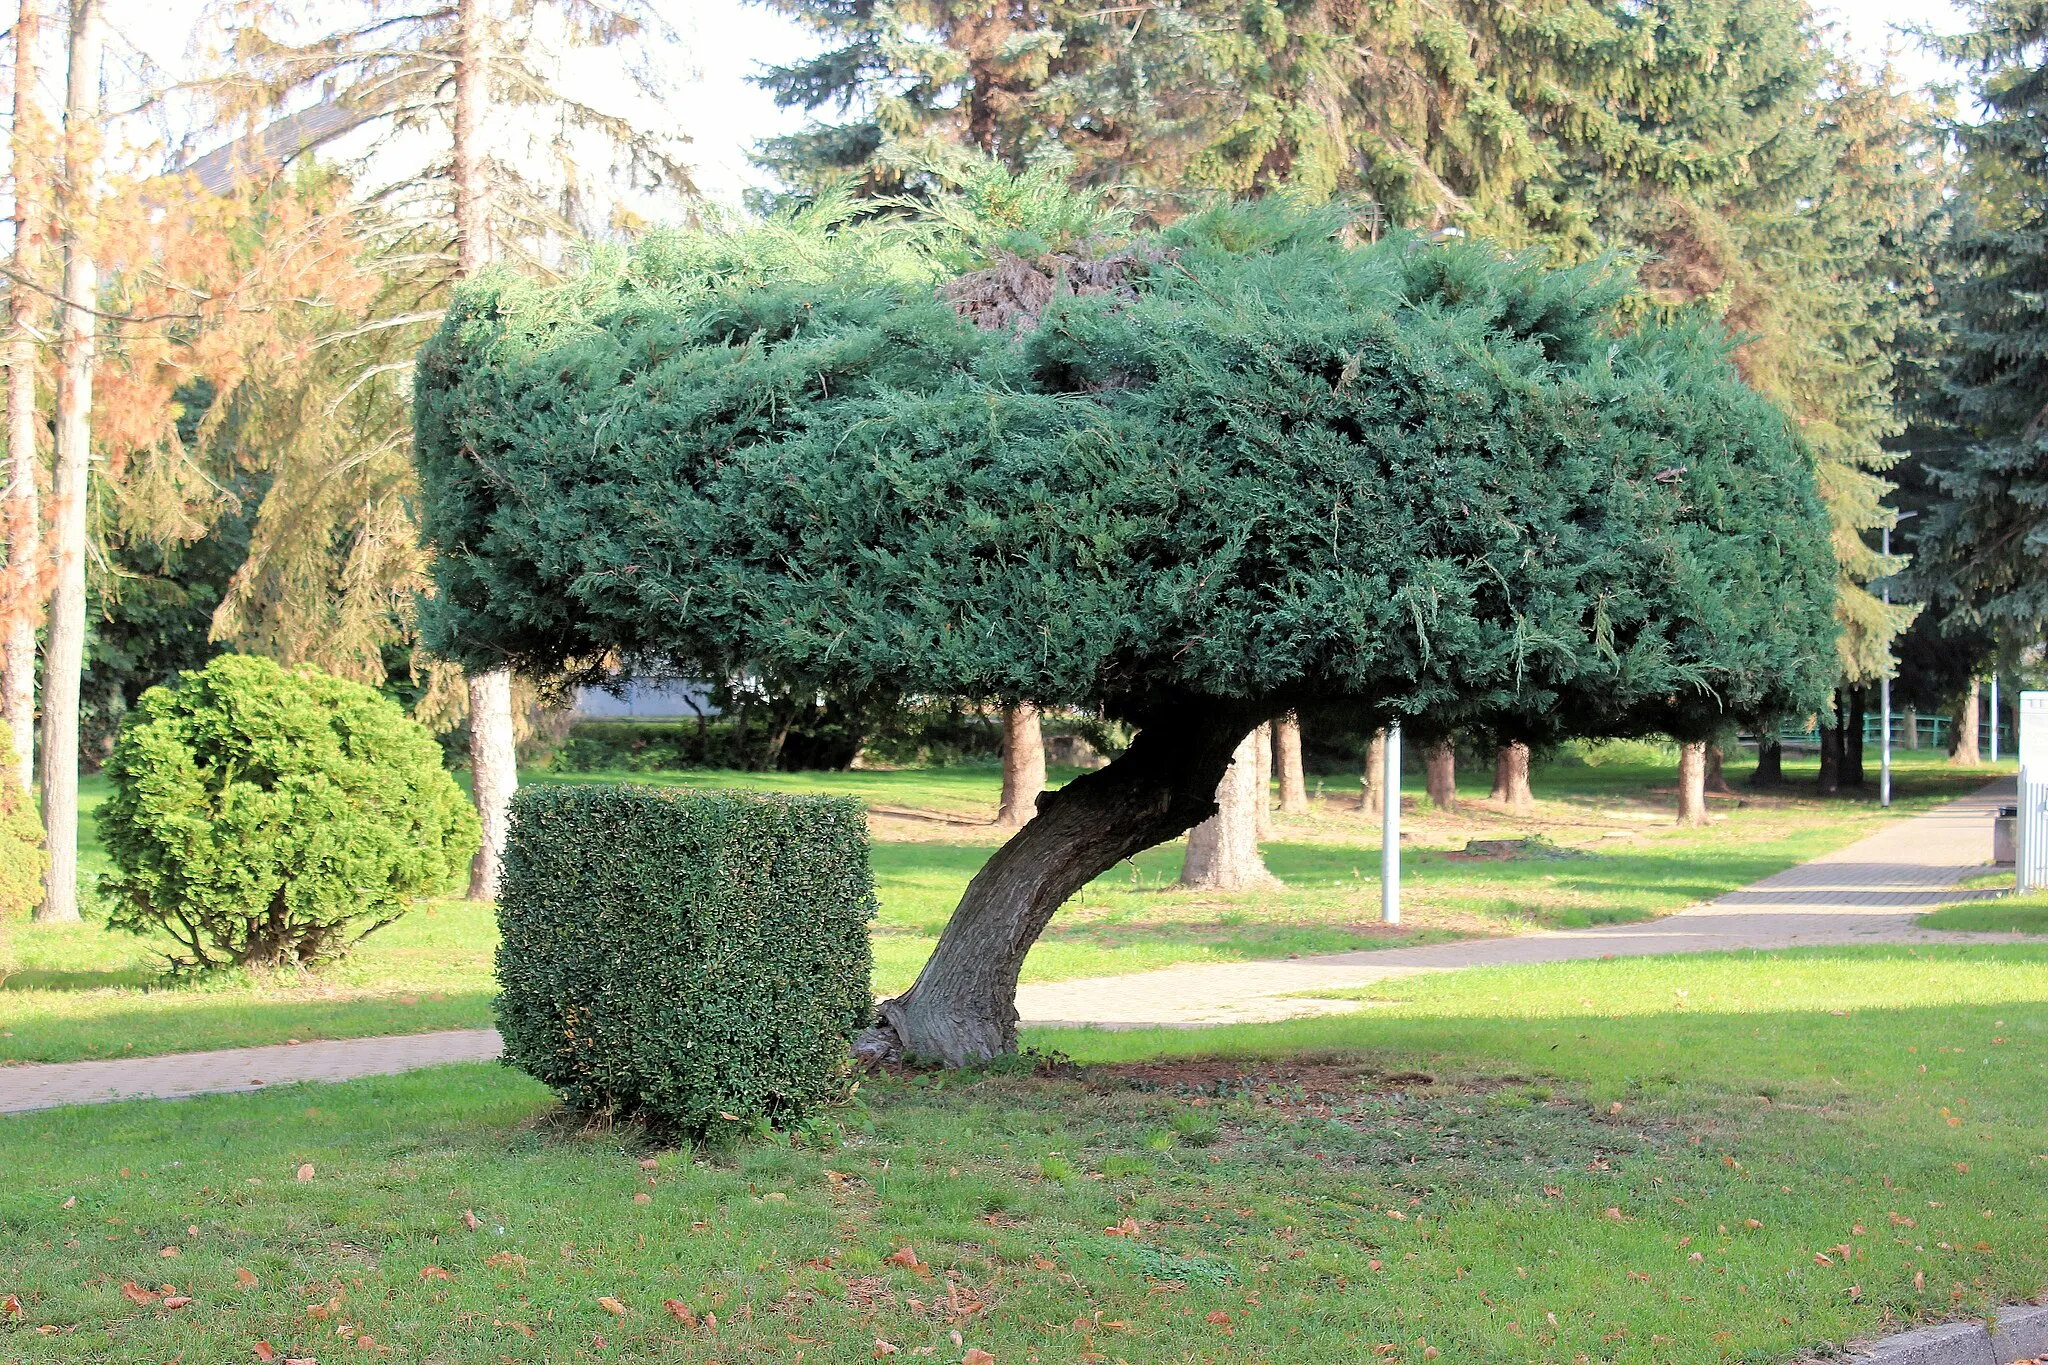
(78, 991)
(1808, 1147)
(2008, 914)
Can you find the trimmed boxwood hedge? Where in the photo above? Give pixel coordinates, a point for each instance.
(685, 959)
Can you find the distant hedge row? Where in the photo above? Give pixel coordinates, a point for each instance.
(691, 959)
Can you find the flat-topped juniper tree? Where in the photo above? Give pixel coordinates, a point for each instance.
(1197, 480)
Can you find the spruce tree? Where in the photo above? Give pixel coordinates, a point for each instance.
(1983, 552)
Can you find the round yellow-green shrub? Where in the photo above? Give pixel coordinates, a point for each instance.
(274, 816)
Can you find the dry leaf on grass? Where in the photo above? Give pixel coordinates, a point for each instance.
(177, 1300)
(680, 1311)
(433, 1272)
(902, 1256)
(265, 1352)
(976, 1356)
(244, 1278)
(139, 1296)
(470, 1220)
(885, 1348)
(611, 1305)
(305, 1173)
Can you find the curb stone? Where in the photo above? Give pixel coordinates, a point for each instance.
(2015, 1335)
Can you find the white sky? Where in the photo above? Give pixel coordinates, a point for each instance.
(725, 41)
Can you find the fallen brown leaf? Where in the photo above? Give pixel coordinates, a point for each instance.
(976, 1356)
(611, 1305)
(432, 1272)
(902, 1256)
(244, 1278)
(139, 1296)
(265, 1352)
(177, 1300)
(680, 1311)
(1218, 1318)
(470, 1220)
(305, 1173)
(885, 1348)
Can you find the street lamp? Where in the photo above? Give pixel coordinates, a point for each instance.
(1884, 687)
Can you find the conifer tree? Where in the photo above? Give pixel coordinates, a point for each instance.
(1983, 550)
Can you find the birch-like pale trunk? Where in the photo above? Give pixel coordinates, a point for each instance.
(1692, 782)
(1223, 850)
(22, 512)
(1023, 765)
(64, 656)
(493, 749)
(1287, 763)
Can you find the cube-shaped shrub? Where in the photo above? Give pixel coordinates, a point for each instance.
(684, 958)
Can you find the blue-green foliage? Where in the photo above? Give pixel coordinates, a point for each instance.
(692, 959)
(275, 816)
(1402, 478)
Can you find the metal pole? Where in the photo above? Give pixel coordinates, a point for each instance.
(1390, 829)
(1884, 704)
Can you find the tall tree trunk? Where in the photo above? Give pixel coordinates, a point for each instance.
(1692, 782)
(1909, 728)
(1440, 773)
(1287, 761)
(1770, 763)
(963, 1007)
(1511, 778)
(493, 754)
(1852, 738)
(22, 513)
(1023, 764)
(1262, 781)
(1830, 780)
(1371, 793)
(1717, 776)
(1223, 851)
(1966, 730)
(64, 660)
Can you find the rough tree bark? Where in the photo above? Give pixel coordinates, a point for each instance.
(23, 516)
(1717, 776)
(493, 751)
(1511, 778)
(1692, 782)
(963, 1006)
(1830, 780)
(64, 657)
(1770, 764)
(1262, 781)
(1965, 754)
(1023, 765)
(1371, 799)
(1852, 739)
(1909, 728)
(1223, 850)
(1440, 773)
(1287, 761)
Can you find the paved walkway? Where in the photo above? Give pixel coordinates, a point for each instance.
(1871, 891)
(1868, 892)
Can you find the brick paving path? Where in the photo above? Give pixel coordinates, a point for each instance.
(1868, 892)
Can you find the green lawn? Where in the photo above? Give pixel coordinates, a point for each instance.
(1807, 1147)
(2008, 914)
(78, 991)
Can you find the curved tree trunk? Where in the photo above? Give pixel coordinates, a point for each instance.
(963, 1007)
(1692, 782)
(1371, 797)
(1223, 851)
(1965, 755)
(1023, 765)
(1262, 781)
(1287, 760)
(1511, 778)
(1440, 773)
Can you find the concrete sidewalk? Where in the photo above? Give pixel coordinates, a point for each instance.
(1869, 892)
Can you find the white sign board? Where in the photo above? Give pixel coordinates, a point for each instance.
(2031, 872)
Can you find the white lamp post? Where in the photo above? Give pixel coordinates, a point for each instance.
(1390, 828)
